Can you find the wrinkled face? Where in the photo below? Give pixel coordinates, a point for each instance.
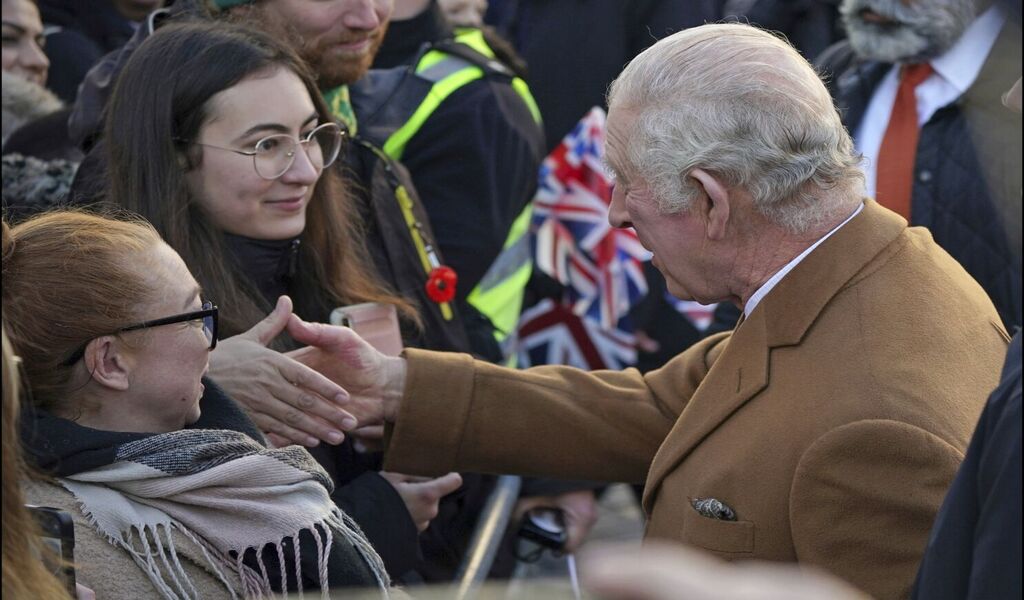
(169, 361)
(341, 37)
(226, 184)
(905, 30)
(677, 240)
(23, 41)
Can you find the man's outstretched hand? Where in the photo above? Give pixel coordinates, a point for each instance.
(374, 381)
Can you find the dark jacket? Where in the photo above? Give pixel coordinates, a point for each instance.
(967, 184)
(975, 546)
(86, 30)
(359, 490)
(810, 25)
(575, 48)
(473, 161)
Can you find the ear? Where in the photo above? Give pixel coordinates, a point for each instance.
(107, 363)
(716, 209)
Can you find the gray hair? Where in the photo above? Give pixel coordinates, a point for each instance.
(742, 104)
(919, 30)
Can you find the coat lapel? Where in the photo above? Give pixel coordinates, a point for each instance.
(781, 319)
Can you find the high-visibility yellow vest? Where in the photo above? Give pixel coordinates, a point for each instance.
(499, 294)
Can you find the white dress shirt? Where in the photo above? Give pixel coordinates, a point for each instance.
(774, 280)
(955, 72)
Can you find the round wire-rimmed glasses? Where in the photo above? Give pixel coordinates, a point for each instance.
(273, 155)
(207, 314)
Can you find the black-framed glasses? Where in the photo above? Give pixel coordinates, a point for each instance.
(208, 315)
(273, 155)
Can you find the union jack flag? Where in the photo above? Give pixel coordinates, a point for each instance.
(600, 266)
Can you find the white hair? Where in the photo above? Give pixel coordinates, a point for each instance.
(742, 104)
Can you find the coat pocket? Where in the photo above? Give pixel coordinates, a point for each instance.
(731, 537)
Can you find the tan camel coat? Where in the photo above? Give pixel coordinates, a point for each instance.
(831, 421)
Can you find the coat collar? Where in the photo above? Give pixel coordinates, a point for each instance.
(781, 319)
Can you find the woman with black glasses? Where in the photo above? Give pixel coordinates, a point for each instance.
(218, 136)
(116, 337)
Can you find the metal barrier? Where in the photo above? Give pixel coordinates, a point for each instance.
(490, 530)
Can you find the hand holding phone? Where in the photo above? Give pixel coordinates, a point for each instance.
(58, 534)
(375, 322)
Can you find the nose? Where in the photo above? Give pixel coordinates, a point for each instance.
(33, 59)
(618, 216)
(302, 171)
(366, 15)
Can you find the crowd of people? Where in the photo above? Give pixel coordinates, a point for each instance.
(191, 188)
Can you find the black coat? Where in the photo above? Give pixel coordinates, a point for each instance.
(473, 161)
(975, 546)
(86, 30)
(967, 184)
(575, 48)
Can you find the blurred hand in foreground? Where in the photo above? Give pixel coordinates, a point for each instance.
(668, 572)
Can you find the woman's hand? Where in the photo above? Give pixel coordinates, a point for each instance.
(289, 401)
(662, 571)
(579, 509)
(423, 494)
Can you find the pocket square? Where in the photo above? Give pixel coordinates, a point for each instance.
(713, 508)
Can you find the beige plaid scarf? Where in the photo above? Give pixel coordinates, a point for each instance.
(226, 493)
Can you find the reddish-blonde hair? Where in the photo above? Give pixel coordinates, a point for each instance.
(24, 574)
(69, 277)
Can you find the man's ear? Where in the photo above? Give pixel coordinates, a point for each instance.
(107, 363)
(716, 211)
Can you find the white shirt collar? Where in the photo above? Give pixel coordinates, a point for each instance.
(961, 64)
(777, 277)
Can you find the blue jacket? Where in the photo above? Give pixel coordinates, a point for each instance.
(974, 550)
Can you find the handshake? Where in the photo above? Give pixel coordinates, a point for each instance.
(373, 381)
(337, 384)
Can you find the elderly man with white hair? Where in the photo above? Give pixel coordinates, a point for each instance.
(826, 428)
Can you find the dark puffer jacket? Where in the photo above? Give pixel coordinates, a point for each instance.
(967, 176)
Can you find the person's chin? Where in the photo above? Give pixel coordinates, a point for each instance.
(285, 231)
(679, 292)
(887, 43)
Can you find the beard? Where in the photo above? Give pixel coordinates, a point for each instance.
(334, 66)
(921, 31)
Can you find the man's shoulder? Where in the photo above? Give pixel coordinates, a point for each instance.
(910, 336)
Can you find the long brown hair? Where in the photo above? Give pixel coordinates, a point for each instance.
(24, 574)
(70, 277)
(158, 107)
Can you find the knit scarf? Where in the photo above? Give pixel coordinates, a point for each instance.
(224, 492)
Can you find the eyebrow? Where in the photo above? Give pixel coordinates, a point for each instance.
(274, 127)
(13, 25)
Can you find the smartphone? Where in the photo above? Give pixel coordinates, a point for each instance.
(374, 322)
(58, 534)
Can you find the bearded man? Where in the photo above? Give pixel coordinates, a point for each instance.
(918, 83)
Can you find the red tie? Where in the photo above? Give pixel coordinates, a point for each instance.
(895, 168)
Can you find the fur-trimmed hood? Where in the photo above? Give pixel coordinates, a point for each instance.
(24, 101)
